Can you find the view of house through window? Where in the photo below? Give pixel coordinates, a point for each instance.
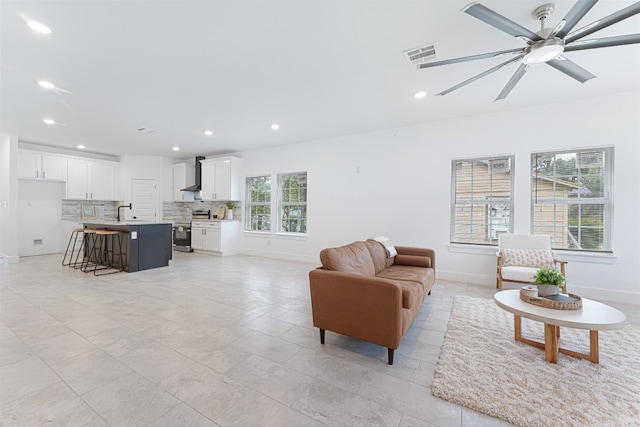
(482, 199)
(258, 203)
(292, 203)
(571, 198)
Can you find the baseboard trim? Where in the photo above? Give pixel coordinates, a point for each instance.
(281, 255)
(9, 259)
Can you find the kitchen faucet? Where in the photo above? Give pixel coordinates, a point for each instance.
(123, 206)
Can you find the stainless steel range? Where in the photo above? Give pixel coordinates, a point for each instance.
(182, 237)
(182, 231)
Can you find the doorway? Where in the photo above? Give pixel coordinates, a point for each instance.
(144, 199)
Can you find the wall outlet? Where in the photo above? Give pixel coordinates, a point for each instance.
(134, 235)
(37, 242)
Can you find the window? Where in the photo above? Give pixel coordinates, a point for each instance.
(292, 203)
(572, 198)
(482, 200)
(258, 204)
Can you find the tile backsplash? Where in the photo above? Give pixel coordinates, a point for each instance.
(181, 211)
(105, 210)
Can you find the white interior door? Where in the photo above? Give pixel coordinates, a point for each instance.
(144, 199)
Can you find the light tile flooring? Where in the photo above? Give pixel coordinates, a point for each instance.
(207, 342)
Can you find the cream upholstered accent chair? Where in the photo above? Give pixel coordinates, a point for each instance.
(520, 255)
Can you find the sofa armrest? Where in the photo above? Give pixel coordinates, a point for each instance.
(415, 252)
(364, 307)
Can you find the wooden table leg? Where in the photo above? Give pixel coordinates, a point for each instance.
(551, 343)
(517, 327)
(594, 352)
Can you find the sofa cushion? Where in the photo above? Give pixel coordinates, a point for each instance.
(535, 258)
(354, 258)
(409, 274)
(378, 255)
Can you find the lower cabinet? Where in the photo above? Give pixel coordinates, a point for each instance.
(216, 237)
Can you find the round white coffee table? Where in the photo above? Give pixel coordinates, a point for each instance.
(593, 316)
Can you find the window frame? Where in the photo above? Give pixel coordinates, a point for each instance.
(485, 202)
(249, 203)
(606, 199)
(281, 204)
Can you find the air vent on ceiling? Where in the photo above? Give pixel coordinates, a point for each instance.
(420, 54)
(146, 130)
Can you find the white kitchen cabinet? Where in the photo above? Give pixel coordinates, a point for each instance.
(184, 175)
(91, 180)
(212, 237)
(197, 235)
(32, 164)
(215, 237)
(221, 178)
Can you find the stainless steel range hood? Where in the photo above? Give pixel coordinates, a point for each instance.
(198, 185)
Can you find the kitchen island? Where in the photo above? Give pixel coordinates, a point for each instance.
(144, 244)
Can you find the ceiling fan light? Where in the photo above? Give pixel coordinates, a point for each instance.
(543, 51)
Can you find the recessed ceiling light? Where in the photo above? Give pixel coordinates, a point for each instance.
(46, 85)
(49, 121)
(275, 126)
(208, 132)
(176, 148)
(82, 147)
(420, 95)
(39, 27)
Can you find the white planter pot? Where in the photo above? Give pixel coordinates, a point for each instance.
(548, 290)
(229, 214)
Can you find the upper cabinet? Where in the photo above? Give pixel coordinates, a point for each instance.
(91, 179)
(184, 175)
(36, 165)
(221, 178)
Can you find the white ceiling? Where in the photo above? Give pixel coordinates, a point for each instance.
(317, 68)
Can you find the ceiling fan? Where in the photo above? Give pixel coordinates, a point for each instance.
(547, 45)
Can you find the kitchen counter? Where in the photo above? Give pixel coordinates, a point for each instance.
(145, 244)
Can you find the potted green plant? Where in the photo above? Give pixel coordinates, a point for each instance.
(230, 206)
(549, 281)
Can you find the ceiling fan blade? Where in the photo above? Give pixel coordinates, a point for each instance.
(574, 16)
(604, 42)
(571, 69)
(479, 76)
(513, 81)
(498, 21)
(604, 22)
(470, 58)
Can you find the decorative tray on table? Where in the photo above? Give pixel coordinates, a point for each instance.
(558, 302)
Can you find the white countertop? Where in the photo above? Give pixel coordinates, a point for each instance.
(127, 222)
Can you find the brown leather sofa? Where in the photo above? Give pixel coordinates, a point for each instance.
(362, 293)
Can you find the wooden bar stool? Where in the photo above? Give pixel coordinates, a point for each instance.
(104, 252)
(77, 234)
(89, 249)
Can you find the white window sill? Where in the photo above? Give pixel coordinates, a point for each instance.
(260, 234)
(575, 256)
(291, 236)
(473, 249)
(592, 257)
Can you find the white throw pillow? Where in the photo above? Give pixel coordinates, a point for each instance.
(536, 258)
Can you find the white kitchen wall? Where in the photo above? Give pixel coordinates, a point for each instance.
(396, 183)
(39, 217)
(9, 198)
(144, 167)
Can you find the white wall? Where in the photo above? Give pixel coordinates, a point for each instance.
(9, 198)
(39, 217)
(144, 167)
(396, 183)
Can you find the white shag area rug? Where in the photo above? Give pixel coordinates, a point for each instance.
(483, 368)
